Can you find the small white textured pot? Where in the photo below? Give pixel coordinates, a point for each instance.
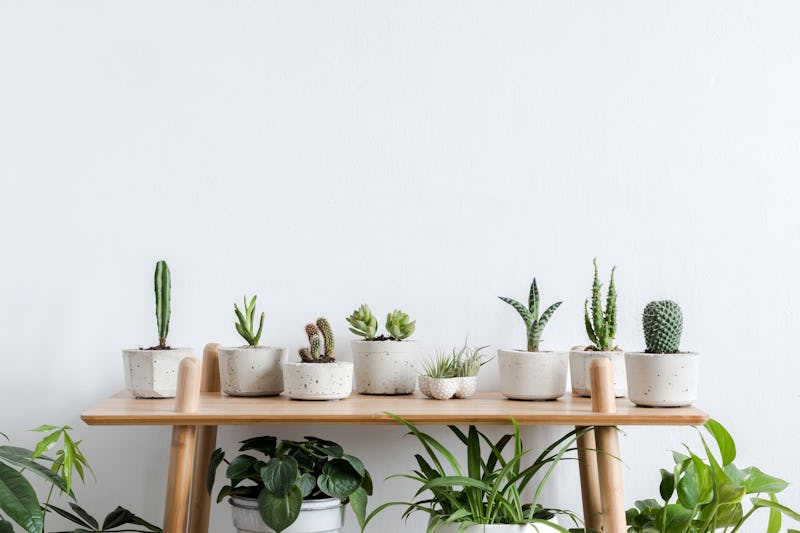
(318, 381)
(467, 386)
(386, 367)
(532, 375)
(316, 516)
(580, 362)
(662, 379)
(539, 527)
(251, 370)
(153, 373)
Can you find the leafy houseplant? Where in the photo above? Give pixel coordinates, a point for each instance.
(489, 490)
(454, 373)
(601, 327)
(153, 372)
(318, 376)
(662, 375)
(532, 374)
(700, 496)
(384, 364)
(313, 475)
(251, 370)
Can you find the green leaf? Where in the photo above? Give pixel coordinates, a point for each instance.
(80, 511)
(677, 518)
(279, 512)
(756, 481)
(307, 483)
(280, 475)
(69, 516)
(117, 517)
(358, 503)
(241, 467)
(338, 479)
(356, 463)
(211, 475)
(727, 446)
(533, 300)
(761, 503)
(46, 444)
(265, 445)
(667, 486)
(523, 312)
(18, 500)
(6, 527)
(45, 428)
(775, 518)
(12, 456)
(696, 485)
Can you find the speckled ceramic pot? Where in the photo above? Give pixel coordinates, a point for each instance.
(153, 373)
(386, 367)
(318, 381)
(539, 527)
(662, 379)
(439, 388)
(467, 386)
(532, 375)
(580, 362)
(316, 516)
(251, 370)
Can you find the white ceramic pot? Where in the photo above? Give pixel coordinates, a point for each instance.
(580, 362)
(467, 386)
(539, 527)
(532, 375)
(439, 388)
(251, 370)
(386, 367)
(153, 373)
(662, 380)
(316, 516)
(318, 381)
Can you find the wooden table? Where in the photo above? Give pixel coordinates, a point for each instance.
(199, 408)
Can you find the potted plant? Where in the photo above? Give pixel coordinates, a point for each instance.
(487, 495)
(318, 376)
(297, 487)
(153, 372)
(251, 370)
(384, 364)
(532, 374)
(662, 375)
(702, 496)
(601, 327)
(445, 375)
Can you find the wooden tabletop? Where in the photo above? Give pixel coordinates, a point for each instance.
(217, 409)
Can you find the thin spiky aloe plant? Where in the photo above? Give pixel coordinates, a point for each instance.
(246, 321)
(534, 324)
(163, 289)
(601, 325)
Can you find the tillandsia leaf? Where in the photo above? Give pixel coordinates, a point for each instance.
(363, 323)
(533, 300)
(163, 290)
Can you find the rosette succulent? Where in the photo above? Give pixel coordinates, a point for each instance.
(364, 324)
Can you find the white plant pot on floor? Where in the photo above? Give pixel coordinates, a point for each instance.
(532, 375)
(662, 380)
(153, 373)
(316, 516)
(251, 370)
(580, 363)
(386, 367)
(539, 527)
(318, 381)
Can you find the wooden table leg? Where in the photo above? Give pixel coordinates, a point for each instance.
(609, 465)
(200, 504)
(590, 482)
(181, 452)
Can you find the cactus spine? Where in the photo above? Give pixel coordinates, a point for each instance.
(534, 324)
(318, 334)
(163, 289)
(601, 325)
(662, 321)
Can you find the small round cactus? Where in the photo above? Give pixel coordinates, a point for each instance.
(663, 325)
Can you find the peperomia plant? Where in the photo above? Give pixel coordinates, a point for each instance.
(163, 289)
(290, 472)
(246, 321)
(701, 496)
(321, 345)
(534, 323)
(662, 322)
(601, 325)
(364, 324)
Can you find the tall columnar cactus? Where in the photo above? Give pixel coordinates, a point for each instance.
(246, 321)
(399, 325)
(363, 323)
(663, 324)
(601, 325)
(534, 324)
(316, 352)
(327, 337)
(163, 288)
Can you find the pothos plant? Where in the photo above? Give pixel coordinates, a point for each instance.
(704, 495)
(364, 324)
(288, 473)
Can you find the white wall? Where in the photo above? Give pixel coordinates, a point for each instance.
(428, 155)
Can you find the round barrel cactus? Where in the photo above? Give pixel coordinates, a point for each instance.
(663, 324)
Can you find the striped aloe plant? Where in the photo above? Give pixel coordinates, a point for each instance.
(534, 323)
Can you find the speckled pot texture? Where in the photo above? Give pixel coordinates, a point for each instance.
(532, 375)
(580, 362)
(153, 373)
(662, 380)
(251, 370)
(386, 367)
(446, 388)
(318, 381)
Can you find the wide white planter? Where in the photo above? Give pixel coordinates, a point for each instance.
(153, 373)
(532, 375)
(251, 370)
(580, 362)
(662, 380)
(316, 516)
(539, 527)
(386, 367)
(318, 381)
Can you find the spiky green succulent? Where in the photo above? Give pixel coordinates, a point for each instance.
(317, 352)
(601, 324)
(662, 321)
(327, 337)
(363, 323)
(534, 323)
(163, 289)
(399, 325)
(246, 321)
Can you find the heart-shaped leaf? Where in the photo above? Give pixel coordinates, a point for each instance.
(280, 475)
(279, 512)
(338, 479)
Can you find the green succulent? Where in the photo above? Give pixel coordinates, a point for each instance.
(662, 321)
(246, 321)
(601, 325)
(399, 325)
(363, 323)
(163, 289)
(317, 352)
(534, 323)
